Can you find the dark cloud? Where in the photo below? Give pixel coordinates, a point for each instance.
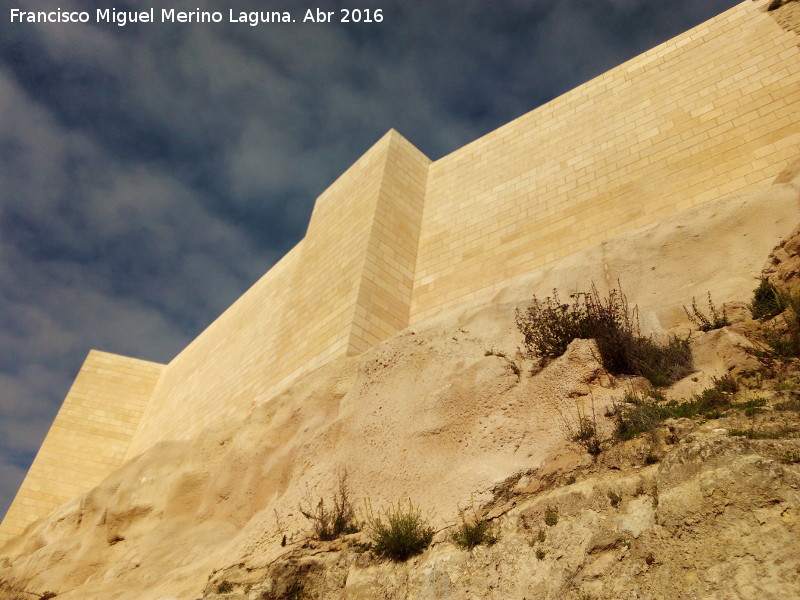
(149, 174)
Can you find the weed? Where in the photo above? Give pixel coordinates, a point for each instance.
(400, 533)
(727, 383)
(640, 413)
(548, 327)
(541, 535)
(571, 479)
(650, 459)
(580, 427)
(791, 457)
(540, 554)
(225, 587)
(472, 532)
(614, 498)
(751, 407)
(586, 434)
(643, 412)
(331, 523)
(714, 320)
(786, 385)
(791, 404)
(784, 340)
(551, 516)
(752, 434)
(766, 301)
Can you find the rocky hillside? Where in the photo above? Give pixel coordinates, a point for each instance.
(701, 500)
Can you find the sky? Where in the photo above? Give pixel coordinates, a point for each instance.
(150, 173)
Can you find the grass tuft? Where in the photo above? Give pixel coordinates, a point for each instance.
(550, 516)
(399, 533)
(643, 412)
(473, 531)
(791, 457)
(752, 434)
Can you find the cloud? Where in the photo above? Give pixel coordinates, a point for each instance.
(96, 252)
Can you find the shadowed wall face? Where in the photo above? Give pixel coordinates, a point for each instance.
(89, 437)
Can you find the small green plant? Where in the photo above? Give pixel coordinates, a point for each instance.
(767, 302)
(400, 533)
(791, 457)
(225, 587)
(639, 413)
(549, 326)
(752, 407)
(711, 401)
(614, 498)
(727, 383)
(643, 412)
(550, 516)
(783, 339)
(586, 434)
(541, 535)
(540, 554)
(752, 434)
(473, 531)
(790, 404)
(786, 385)
(714, 320)
(331, 523)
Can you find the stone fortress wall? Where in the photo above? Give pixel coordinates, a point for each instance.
(398, 237)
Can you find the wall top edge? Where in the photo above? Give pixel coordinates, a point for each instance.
(750, 6)
(101, 355)
(392, 137)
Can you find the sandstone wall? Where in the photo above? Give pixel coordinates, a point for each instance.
(343, 288)
(706, 114)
